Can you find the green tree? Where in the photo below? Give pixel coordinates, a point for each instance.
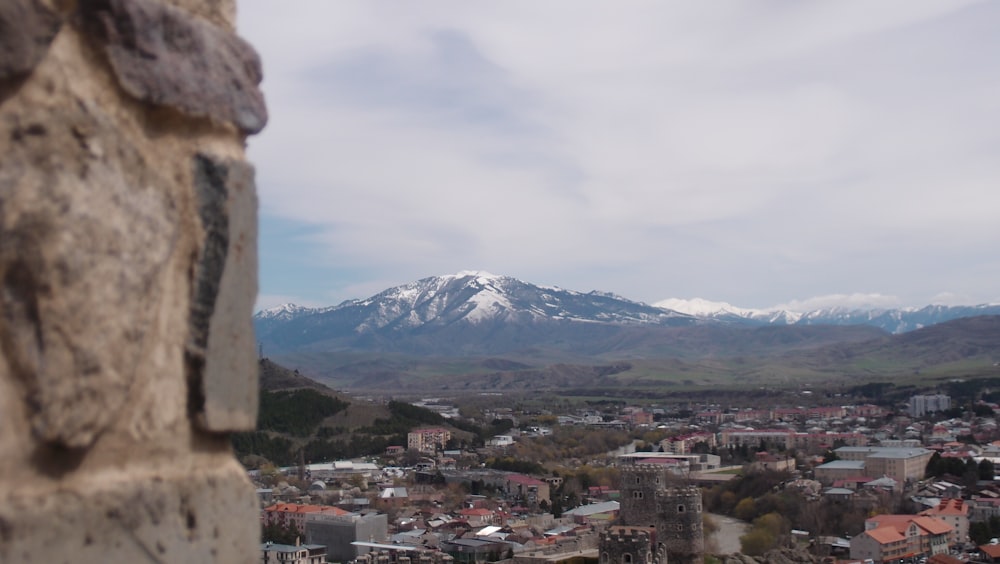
(745, 509)
(756, 542)
(280, 534)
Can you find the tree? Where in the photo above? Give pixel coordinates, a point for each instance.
(745, 509)
(986, 470)
(971, 474)
(279, 534)
(756, 542)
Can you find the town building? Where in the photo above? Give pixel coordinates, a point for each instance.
(900, 464)
(428, 440)
(682, 444)
(531, 491)
(889, 538)
(955, 512)
(340, 533)
(923, 404)
(287, 554)
(294, 514)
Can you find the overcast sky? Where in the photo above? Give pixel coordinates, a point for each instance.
(758, 153)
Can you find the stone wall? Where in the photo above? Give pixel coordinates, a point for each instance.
(127, 281)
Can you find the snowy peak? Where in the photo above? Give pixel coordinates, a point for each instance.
(702, 307)
(899, 320)
(284, 311)
(469, 299)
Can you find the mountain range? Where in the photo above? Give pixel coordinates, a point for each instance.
(479, 297)
(479, 323)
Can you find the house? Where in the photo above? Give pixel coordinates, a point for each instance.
(478, 517)
(394, 495)
(501, 441)
(531, 490)
(765, 461)
(989, 552)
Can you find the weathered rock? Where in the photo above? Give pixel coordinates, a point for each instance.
(225, 290)
(166, 56)
(148, 516)
(27, 27)
(83, 242)
(117, 255)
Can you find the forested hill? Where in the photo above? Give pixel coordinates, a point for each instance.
(298, 414)
(275, 377)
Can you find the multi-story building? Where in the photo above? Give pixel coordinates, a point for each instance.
(682, 444)
(429, 439)
(531, 491)
(924, 404)
(839, 470)
(340, 533)
(955, 512)
(900, 464)
(889, 538)
(755, 437)
(289, 514)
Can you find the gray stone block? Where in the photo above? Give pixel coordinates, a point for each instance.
(167, 56)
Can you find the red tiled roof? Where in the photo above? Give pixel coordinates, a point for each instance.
(297, 508)
(947, 507)
(932, 525)
(885, 535)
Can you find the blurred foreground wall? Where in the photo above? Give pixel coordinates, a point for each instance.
(127, 280)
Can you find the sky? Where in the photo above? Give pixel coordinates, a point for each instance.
(767, 153)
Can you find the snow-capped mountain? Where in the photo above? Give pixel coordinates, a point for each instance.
(467, 303)
(475, 313)
(900, 320)
(284, 312)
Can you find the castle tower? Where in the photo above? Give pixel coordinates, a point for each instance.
(639, 484)
(679, 524)
(651, 498)
(629, 545)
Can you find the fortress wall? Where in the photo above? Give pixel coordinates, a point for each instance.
(127, 281)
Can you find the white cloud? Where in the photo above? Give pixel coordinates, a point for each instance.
(756, 151)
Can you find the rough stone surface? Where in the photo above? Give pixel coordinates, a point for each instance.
(164, 56)
(153, 516)
(120, 262)
(83, 244)
(226, 289)
(27, 27)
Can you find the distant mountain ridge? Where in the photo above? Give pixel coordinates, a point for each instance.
(477, 331)
(477, 297)
(453, 309)
(898, 320)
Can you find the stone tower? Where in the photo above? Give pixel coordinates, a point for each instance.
(679, 524)
(655, 504)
